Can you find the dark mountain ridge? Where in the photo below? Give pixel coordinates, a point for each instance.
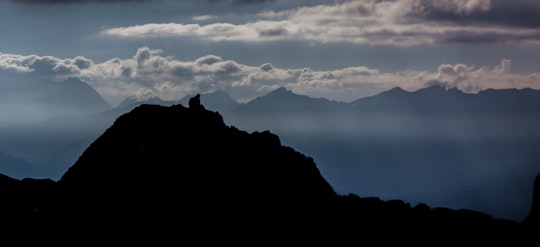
(442, 152)
(435, 145)
(176, 175)
(443, 101)
(285, 101)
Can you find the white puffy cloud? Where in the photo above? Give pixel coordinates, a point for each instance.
(152, 73)
(204, 17)
(45, 65)
(471, 79)
(398, 22)
(262, 30)
(455, 6)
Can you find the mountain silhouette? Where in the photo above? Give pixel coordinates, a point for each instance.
(436, 145)
(285, 112)
(15, 166)
(442, 101)
(177, 175)
(282, 100)
(432, 100)
(133, 101)
(40, 99)
(166, 142)
(53, 145)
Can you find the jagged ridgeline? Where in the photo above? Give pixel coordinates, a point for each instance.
(178, 174)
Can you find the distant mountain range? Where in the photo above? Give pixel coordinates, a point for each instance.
(176, 175)
(15, 166)
(439, 146)
(217, 101)
(437, 100)
(24, 100)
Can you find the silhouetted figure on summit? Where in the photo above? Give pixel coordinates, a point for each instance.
(195, 102)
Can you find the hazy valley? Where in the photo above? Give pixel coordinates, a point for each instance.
(436, 146)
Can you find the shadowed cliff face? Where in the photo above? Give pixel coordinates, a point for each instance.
(176, 174)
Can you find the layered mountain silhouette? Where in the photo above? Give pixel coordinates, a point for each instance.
(438, 100)
(282, 101)
(52, 145)
(16, 166)
(176, 175)
(41, 119)
(23, 100)
(436, 145)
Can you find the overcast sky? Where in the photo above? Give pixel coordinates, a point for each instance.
(341, 50)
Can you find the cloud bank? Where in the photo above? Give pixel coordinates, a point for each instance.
(150, 72)
(397, 23)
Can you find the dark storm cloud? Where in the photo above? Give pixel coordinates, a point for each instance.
(470, 37)
(266, 67)
(520, 13)
(395, 23)
(73, 1)
(242, 1)
(273, 32)
(515, 13)
(134, 1)
(208, 59)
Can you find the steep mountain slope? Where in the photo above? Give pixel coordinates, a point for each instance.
(438, 146)
(176, 175)
(435, 145)
(53, 145)
(153, 141)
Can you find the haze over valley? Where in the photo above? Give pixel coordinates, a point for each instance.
(462, 150)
